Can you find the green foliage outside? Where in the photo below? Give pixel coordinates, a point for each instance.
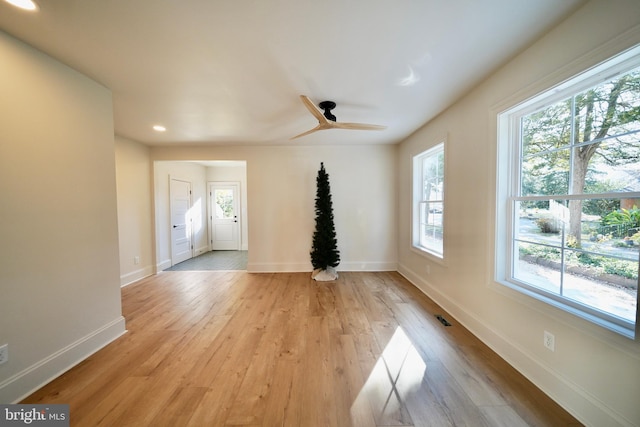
(224, 200)
(547, 226)
(622, 222)
(599, 207)
(630, 217)
(598, 263)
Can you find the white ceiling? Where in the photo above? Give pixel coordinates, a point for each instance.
(231, 72)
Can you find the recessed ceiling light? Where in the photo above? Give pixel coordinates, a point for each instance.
(24, 4)
(159, 128)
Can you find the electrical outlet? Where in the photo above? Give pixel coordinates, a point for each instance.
(136, 260)
(427, 269)
(4, 354)
(549, 341)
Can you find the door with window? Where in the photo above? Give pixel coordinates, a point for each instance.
(225, 215)
(180, 206)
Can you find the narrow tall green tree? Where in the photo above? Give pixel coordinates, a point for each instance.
(324, 253)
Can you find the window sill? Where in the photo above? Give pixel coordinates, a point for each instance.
(432, 256)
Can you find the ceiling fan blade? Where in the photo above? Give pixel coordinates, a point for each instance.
(356, 126)
(312, 109)
(315, 129)
(324, 123)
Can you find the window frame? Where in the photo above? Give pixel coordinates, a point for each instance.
(417, 174)
(508, 182)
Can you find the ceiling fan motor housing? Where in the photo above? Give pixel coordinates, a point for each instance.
(327, 106)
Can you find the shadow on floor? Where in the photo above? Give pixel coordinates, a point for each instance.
(214, 260)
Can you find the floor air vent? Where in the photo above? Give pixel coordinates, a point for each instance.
(442, 320)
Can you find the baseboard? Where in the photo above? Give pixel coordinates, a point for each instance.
(578, 402)
(258, 267)
(134, 276)
(163, 265)
(22, 384)
(202, 250)
(266, 267)
(368, 266)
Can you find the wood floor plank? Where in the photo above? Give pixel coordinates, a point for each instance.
(221, 348)
(347, 384)
(154, 396)
(317, 395)
(502, 416)
(229, 355)
(471, 377)
(368, 352)
(381, 388)
(180, 407)
(250, 405)
(283, 406)
(224, 378)
(452, 398)
(108, 408)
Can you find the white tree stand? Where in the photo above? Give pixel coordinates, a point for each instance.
(327, 275)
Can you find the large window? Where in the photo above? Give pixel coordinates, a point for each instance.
(428, 201)
(569, 195)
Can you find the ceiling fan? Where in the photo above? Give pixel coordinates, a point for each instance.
(328, 120)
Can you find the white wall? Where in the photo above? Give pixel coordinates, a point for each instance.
(196, 174)
(59, 273)
(593, 373)
(135, 213)
(281, 195)
(233, 172)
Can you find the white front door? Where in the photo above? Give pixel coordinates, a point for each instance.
(180, 200)
(225, 215)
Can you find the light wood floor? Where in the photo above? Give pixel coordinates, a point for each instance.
(234, 348)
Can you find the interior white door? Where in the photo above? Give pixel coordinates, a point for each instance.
(225, 218)
(180, 201)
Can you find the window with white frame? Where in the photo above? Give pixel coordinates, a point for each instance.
(428, 201)
(568, 223)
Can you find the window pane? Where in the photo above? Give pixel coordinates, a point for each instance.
(546, 173)
(538, 266)
(224, 203)
(601, 282)
(601, 226)
(538, 223)
(608, 109)
(433, 176)
(596, 267)
(431, 226)
(601, 259)
(546, 130)
(613, 167)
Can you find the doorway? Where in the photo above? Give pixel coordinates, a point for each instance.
(196, 238)
(224, 218)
